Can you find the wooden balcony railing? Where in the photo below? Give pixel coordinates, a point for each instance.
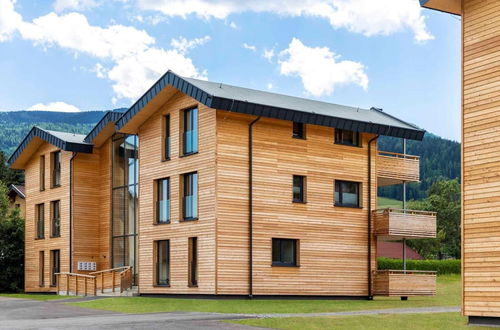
(394, 168)
(395, 224)
(404, 283)
(76, 284)
(114, 279)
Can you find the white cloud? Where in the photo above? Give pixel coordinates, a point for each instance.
(270, 86)
(54, 106)
(320, 70)
(268, 54)
(182, 45)
(233, 25)
(368, 17)
(249, 47)
(10, 20)
(78, 5)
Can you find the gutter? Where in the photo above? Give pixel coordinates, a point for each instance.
(370, 297)
(250, 206)
(71, 212)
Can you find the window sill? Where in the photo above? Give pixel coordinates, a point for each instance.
(348, 145)
(299, 138)
(189, 219)
(299, 202)
(54, 187)
(161, 223)
(348, 206)
(284, 265)
(39, 238)
(188, 154)
(55, 236)
(165, 159)
(192, 285)
(53, 285)
(161, 285)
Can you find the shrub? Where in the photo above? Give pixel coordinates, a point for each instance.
(441, 266)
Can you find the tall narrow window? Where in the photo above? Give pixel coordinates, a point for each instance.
(55, 211)
(190, 199)
(284, 252)
(298, 188)
(190, 134)
(166, 137)
(42, 173)
(41, 268)
(346, 193)
(55, 262)
(56, 168)
(193, 261)
(163, 262)
(40, 220)
(163, 201)
(299, 130)
(348, 138)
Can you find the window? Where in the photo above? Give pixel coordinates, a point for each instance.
(299, 130)
(348, 138)
(190, 132)
(56, 168)
(346, 193)
(298, 189)
(18, 206)
(42, 173)
(190, 199)
(163, 262)
(284, 252)
(40, 221)
(55, 266)
(166, 137)
(55, 211)
(41, 268)
(163, 201)
(193, 261)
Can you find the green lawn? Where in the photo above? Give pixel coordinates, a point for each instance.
(448, 295)
(42, 297)
(438, 321)
(384, 202)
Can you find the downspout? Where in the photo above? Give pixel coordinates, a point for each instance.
(250, 207)
(71, 212)
(370, 297)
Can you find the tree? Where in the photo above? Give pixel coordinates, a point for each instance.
(11, 245)
(444, 198)
(8, 175)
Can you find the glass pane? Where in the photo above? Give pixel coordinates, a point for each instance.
(163, 262)
(130, 155)
(350, 193)
(118, 163)
(298, 184)
(131, 205)
(118, 211)
(337, 192)
(130, 251)
(288, 251)
(276, 250)
(118, 252)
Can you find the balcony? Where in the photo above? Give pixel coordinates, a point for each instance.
(394, 168)
(403, 283)
(396, 224)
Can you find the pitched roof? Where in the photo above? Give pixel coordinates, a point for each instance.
(109, 117)
(272, 105)
(63, 140)
(395, 250)
(18, 189)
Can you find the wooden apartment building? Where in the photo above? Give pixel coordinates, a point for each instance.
(207, 188)
(480, 21)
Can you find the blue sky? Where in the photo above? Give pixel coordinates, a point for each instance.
(90, 55)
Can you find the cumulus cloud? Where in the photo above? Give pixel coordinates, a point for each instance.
(268, 54)
(127, 56)
(368, 17)
(320, 70)
(78, 5)
(249, 47)
(54, 106)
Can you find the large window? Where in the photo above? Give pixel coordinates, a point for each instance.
(284, 252)
(190, 131)
(55, 210)
(56, 168)
(42, 173)
(299, 131)
(163, 262)
(166, 137)
(348, 138)
(346, 193)
(40, 220)
(163, 200)
(193, 261)
(41, 268)
(55, 263)
(299, 184)
(190, 196)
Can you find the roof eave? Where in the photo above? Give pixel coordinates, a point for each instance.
(453, 7)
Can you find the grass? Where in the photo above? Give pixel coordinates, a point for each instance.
(438, 321)
(448, 295)
(384, 202)
(41, 297)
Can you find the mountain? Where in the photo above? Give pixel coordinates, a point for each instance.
(439, 158)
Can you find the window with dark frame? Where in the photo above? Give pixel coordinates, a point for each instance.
(299, 130)
(41, 268)
(193, 261)
(299, 189)
(55, 218)
(55, 266)
(163, 201)
(190, 196)
(348, 138)
(56, 168)
(42, 173)
(166, 137)
(40, 220)
(284, 252)
(346, 193)
(163, 262)
(190, 132)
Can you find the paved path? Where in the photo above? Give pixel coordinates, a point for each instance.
(33, 314)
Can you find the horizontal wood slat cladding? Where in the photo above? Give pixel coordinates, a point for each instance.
(387, 283)
(393, 168)
(332, 240)
(398, 224)
(152, 168)
(33, 197)
(480, 162)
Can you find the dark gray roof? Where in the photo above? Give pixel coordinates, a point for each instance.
(18, 189)
(110, 116)
(63, 140)
(272, 105)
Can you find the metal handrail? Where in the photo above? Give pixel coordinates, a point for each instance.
(400, 271)
(404, 211)
(397, 155)
(111, 270)
(74, 274)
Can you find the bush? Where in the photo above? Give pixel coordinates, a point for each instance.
(441, 266)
